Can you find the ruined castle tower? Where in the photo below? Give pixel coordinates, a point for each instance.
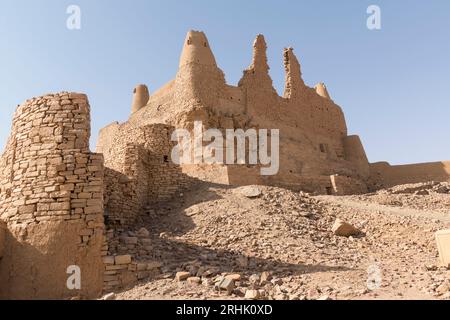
(199, 82)
(294, 84)
(140, 97)
(313, 133)
(56, 196)
(51, 201)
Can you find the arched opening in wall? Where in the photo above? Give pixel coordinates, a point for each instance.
(166, 159)
(323, 148)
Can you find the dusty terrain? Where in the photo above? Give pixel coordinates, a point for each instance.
(280, 245)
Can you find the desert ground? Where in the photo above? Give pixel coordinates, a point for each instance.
(220, 242)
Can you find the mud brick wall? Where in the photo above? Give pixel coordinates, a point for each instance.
(347, 186)
(384, 175)
(51, 200)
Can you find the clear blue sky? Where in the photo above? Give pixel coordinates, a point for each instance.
(393, 84)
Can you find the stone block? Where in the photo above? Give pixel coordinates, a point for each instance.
(60, 206)
(67, 187)
(108, 260)
(344, 229)
(443, 243)
(124, 259)
(182, 276)
(226, 285)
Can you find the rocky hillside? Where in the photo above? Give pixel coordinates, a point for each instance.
(218, 242)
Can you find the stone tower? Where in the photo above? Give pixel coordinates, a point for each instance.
(199, 81)
(140, 97)
(196, 50)
(51, 200)
(294, 84)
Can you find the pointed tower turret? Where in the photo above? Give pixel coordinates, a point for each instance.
(199, 80)
(141, 96)
(322, 91)
(294, 83)
(259, 63)
(196, 50)
(258, 72)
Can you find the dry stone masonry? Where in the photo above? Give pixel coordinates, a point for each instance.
(62, 205)
(51, 200)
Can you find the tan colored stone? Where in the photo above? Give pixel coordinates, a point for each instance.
(252, 294)
(344, 229)
(443, 244)
(123, 259)
(194, 280)
(234, 277)
(108, 260)
(182, 276)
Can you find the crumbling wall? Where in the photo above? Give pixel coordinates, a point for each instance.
(347, 186)
(139, 170)
(314, 141)
(129, 259)
(383, 175)
(51, 200)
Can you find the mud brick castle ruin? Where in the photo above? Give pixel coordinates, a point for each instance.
(58, 199)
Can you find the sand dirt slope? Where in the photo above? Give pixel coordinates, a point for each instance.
(281, 244)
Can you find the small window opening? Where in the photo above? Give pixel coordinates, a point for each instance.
(166, 159)
(323, 148)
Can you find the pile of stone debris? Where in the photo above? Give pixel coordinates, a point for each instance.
(420, 196)
(217, 242)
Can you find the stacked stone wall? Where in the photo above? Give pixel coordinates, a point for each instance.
(51, 201)
(139, 171)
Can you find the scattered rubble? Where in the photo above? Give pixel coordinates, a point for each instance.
(279, 247)
(109, 296)
(250, 191)
(344, 229)
(182, 276)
